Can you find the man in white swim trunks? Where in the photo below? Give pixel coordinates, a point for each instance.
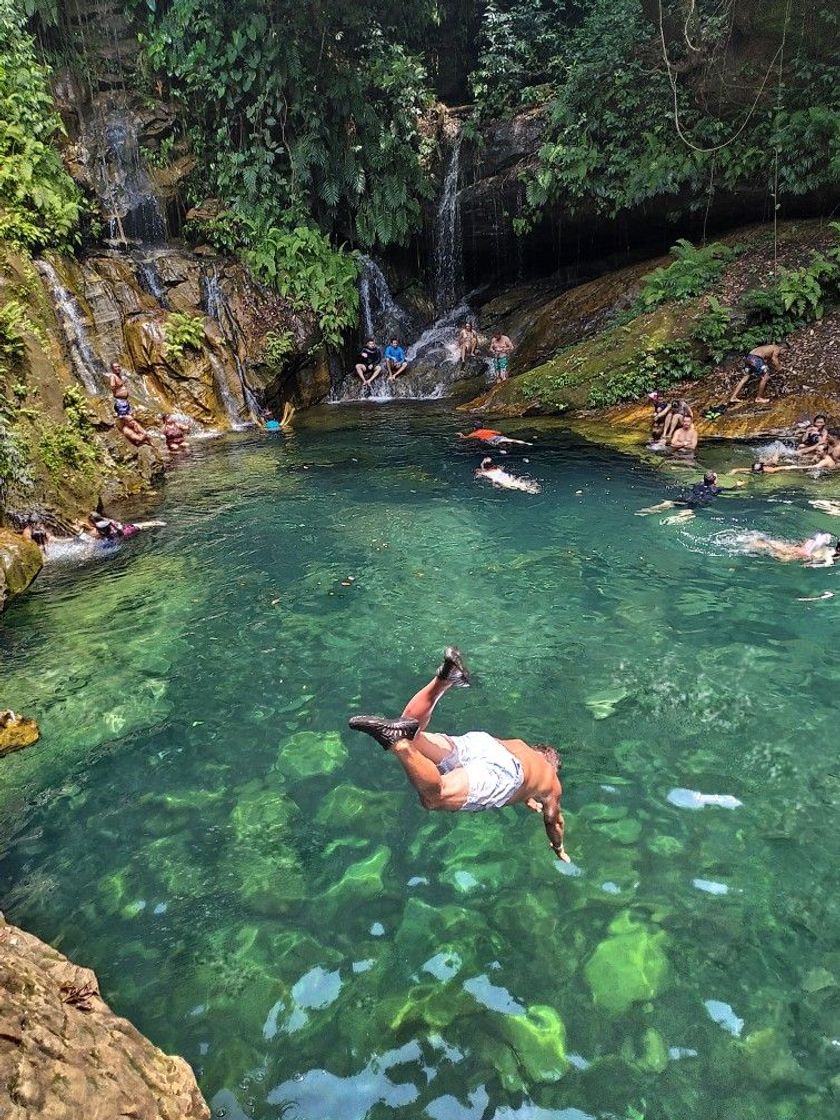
(469, 772)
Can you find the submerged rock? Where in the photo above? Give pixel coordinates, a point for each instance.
(65, 1053)
(629, 966)
(16, 732)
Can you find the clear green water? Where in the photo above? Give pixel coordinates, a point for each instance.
(258, 890)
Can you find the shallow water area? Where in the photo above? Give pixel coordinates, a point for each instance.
(258, 889)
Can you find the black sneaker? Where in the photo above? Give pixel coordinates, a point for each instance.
(453, 669)
(385, 731)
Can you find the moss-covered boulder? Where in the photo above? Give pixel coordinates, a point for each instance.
(20, 562)
(570, 378)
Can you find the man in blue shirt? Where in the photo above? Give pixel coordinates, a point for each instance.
(395, 362)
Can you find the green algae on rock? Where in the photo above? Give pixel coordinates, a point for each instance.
(629, 966)
(311, 752)
(20, 563)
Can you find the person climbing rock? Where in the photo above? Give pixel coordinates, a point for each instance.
(760, 362)
(471, 772)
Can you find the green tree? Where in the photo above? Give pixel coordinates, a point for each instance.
(39, 203)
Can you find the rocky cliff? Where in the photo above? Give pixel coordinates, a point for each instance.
(65, 1054)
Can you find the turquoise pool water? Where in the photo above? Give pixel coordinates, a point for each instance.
(259, 891)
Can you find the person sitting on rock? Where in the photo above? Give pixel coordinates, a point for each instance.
(760, 362)
(814, 441)
(134, 432)
(501, 347)
(661, 412)
(174, 432)
(472, 772)
(684, 437)
(679, 409)
(395, 362)
(369, 362)
(467, 341)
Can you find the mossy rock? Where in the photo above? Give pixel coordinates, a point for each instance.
(629, 966)
(20, 562)
(362, 879)
(310, 753)
(538, 1039)
(348, 807)
(566, 380)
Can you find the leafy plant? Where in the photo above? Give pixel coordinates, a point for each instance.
(302, 266)
(12, 326)
(183, 332)
(649, 369)
(15, 468)
(693, 270)
(714, 329)
(39, 203)
(277, 345)
(77, 409)
(62, 447)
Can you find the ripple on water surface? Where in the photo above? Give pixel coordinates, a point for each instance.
(259, 891)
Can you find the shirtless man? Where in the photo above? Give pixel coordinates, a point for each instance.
(467, 341)
(684, 437)
(129, 428)
(469, 772)
(816, 551)
(501, 348)
(119, 390)
(679, 410)
(760, 362)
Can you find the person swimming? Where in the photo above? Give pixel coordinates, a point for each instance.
(814, 552)
(501, 478)
(492, 437)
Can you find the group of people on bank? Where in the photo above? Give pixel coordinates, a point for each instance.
(173, 430)
(393, 362)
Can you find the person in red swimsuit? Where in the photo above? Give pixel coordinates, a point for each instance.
(492, 437)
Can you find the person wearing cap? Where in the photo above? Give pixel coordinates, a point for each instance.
(661, 412)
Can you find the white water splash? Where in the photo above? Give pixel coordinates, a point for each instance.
(448, 260)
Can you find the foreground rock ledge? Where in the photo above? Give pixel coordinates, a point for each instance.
(65, 1055)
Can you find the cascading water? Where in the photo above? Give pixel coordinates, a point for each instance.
(448, 250)
(382, 316)
(214, 303)
(224, 391)
(122, 183)
(88, 367)
(149, 279)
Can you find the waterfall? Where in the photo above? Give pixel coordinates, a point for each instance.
(214, 304)
(149, 279)
(122, 183)
(448, 251)
(88, 367)
(382, 316)
(224, 392)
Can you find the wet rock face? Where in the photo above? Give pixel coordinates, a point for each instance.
(64, 1053)
(20, 562)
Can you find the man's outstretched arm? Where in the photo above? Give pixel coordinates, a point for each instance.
(554, 826)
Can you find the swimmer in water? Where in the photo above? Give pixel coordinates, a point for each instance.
(107, 529)
(501, 478)
(492, 437)
(700, 494)
(815, 552)
(769, 468)
(470, 772)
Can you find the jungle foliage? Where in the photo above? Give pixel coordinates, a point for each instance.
(39, 203)
(600, 72)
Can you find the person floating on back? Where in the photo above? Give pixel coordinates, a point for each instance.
(492, 437)
(369, 362)
(501, 348)
(760, 362)
(395, 361)
(470, 772)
